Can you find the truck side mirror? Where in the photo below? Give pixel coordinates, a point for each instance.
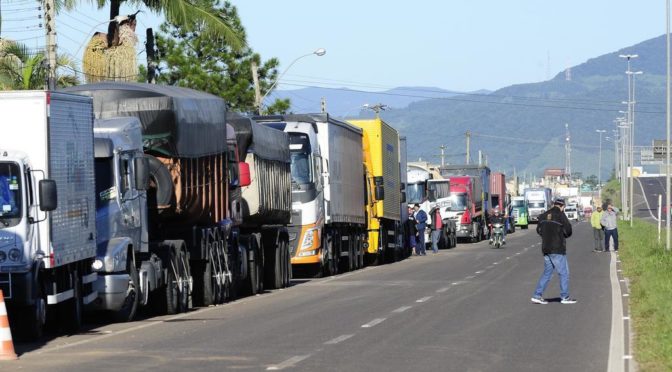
(403, 196)
(244, 174)
(48, 195)
(380, 188)
(141, 165)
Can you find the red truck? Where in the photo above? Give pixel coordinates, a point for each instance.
(466, 207)
(500, 199)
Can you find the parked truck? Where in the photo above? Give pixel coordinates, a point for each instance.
(500, 199)
(471, 203)
(181, 244)
(519, 211)
(328, 228)
(47, 220)
(380, 146)
(539, 200)
(261, 211)
(403, 239)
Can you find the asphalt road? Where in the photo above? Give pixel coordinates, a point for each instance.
(464, 309)
(645, 195)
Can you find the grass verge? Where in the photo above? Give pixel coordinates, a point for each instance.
(649, 268)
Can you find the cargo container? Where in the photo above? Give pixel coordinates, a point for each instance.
(380, 147)
(47, 234)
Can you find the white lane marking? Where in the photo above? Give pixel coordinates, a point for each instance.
(455, 283)
(338, 339)
(470, 277)
(627, 356)
(373, 322)
(508, 258)
(622, 280)
(424, 299)
(626, 318)
(495, 263)
(517, 253)
(490, 267)
(626, 295)
(478, 272)
(401, 309)
(617, 338)
(288, 363)
(442, 289)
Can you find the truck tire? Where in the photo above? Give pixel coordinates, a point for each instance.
(130, 306)
(253, 268)
(273, 268)
(288, 263)
(162, 181)
(32, 319)
(278, 268)
(70, 311)
(205, 292)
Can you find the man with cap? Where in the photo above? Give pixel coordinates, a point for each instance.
(608, 220)
(554, 228)
(598, 230)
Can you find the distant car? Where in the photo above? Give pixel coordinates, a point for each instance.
(571, 213)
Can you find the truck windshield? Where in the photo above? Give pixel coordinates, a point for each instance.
(458, 202)
(10, 194)
(539, 204)
(301, 167)
(518, 203)
(415, 193)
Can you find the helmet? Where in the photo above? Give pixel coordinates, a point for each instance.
(496, 211)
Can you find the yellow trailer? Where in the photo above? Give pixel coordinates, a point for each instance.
(380, 146)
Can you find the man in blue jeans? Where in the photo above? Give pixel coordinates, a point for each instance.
(554, 228)
(420, 223)
(608, 220)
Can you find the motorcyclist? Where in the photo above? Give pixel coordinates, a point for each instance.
(498, 217)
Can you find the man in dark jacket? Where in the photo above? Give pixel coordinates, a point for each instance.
(554, 228)
(420, 224)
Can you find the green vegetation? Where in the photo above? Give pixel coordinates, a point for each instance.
(612, 191)
(649, 268)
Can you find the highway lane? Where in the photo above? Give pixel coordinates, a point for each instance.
(645, 195)
(463, 309)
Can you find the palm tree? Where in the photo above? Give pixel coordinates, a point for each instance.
(21, 70)
(186, 13)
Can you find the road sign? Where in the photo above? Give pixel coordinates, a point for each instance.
(659, 149)
(648, 156)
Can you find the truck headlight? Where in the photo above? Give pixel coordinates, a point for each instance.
(308, 239)
(97, 264)
(3, 256)
(15, 254)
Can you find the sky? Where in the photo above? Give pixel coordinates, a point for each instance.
(459, 45)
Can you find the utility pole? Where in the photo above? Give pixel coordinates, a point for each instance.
(323, 105)
(257, 90)
(568, 155)
(668, 186)
(468, 145)
(377, 108)
(151, 57)
(50, 21)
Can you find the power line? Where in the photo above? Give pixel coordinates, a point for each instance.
(457, 99)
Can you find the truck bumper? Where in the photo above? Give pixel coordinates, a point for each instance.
(521, 221)
(111, 291)
(17, 288)
(464, 231)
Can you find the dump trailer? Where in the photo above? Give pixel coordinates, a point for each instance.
(263, 208)
(190, 253)
(328, 230)
(47, 229)
(380, 148)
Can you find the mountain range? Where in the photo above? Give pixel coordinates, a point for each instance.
(524, 126)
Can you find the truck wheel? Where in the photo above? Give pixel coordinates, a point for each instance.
(206, 288)
(70, 311)
(32, 319)
(278, 268)
(252, 271)
(171, 296)
(288, 263)
(162, 181)
(130, 306)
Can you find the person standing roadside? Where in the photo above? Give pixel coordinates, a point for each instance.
(598, 230)
(437, 227)
(412, 231)
(608, 220)
(554, 229)
(420, 224)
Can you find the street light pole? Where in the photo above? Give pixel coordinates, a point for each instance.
(667, 120)
(319, 52)
(632, 142)
(628, 57)
(599, 163)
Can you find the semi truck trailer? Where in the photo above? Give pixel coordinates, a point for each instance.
(327, 233)
(380, 146)
(47, 215)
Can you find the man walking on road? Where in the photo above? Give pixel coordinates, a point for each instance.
(436, 227)
(608, 220)
(598, 230)
(421, 224)
(554, 228)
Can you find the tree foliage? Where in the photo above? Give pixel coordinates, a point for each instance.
(22, 70)
(190, 58)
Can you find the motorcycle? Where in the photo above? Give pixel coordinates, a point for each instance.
(497, 235)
